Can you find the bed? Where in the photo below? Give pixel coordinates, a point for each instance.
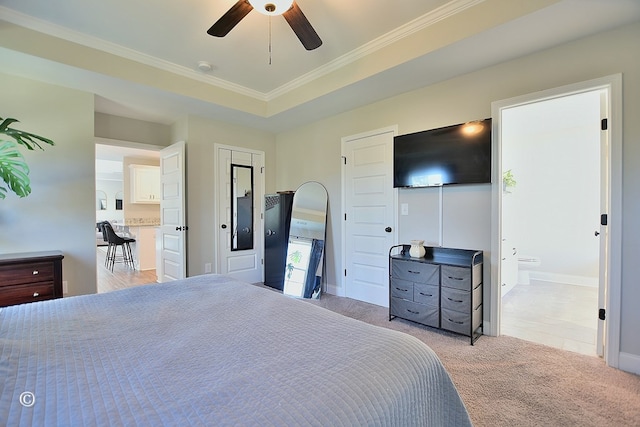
(210, 350)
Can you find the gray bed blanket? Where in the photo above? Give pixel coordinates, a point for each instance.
(212, 351)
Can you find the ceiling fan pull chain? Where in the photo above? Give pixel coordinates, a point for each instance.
(269, 40)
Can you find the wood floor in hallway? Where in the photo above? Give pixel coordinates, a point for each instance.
(122, 276)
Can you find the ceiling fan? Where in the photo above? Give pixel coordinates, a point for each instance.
(287, 8)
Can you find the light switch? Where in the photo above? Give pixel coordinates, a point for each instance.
(404, 209)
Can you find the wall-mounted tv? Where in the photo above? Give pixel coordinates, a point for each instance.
(458, 154)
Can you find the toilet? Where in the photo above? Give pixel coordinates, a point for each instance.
(525, 265)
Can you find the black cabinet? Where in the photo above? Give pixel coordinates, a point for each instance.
(443, 289)
(277, 219)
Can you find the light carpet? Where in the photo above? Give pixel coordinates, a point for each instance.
(506, 381)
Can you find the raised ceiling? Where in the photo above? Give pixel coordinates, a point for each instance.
(141, 58)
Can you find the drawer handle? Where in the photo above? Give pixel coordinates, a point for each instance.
(35, 272)
(413, 312)
(413, 272)
(455, 300)
(402, 290)
(455, 278)
(426, 295)
(455, 321)
(36, 295)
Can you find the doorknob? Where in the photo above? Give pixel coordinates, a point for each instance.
(223, 226)
(597, 233)
(388, 229)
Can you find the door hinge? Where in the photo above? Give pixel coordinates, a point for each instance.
(604, 124)
(262, 169)
(603, 219)
(344, 159)
(345, 217)
(345, 272)
(601, 314)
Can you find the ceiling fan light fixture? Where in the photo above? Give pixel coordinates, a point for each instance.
(271, 7)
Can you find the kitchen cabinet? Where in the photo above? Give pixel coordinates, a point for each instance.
(145, 184)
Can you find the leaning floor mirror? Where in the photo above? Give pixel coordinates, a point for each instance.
(305, 250)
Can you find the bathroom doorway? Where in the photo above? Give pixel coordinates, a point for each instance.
(550, 214)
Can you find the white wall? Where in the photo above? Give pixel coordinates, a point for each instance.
(553, 150)
(59, 214)
(312, 152)
(200, 135)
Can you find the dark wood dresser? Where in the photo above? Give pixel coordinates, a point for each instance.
(30, 276)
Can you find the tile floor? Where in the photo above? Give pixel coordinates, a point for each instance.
(554, 314)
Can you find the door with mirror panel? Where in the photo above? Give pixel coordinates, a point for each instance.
(240, 189)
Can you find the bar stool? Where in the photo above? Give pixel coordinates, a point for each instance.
(114, 241)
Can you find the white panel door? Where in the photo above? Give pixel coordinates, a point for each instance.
(245, 264)
(370, 215)
(171, 243)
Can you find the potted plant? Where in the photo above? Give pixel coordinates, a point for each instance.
(13, 167)
(508, 181)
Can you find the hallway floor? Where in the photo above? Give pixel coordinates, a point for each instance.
(122, 276)
(554, 314)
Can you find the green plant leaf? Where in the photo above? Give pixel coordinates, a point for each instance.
(27, 139)
(13, 170)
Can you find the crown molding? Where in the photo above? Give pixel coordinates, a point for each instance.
(449, 9)
(64, 33)
(443, 12)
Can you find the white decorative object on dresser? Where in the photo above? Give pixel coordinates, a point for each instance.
(145, 183)
(442, 289)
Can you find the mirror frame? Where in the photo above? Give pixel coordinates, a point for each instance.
(306, 245)
(235, 234)
(101, 202)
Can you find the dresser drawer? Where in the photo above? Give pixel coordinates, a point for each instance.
(456, 321)
(455, 299)
(425, 314)
(426, 294)
(401, 289)
(20, 294)
(416, 272)
(456, 277)
(460, 322)
(26, 273)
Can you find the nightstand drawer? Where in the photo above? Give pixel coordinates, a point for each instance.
(426, 294)
(26, 273)
(401, 289)
(456, 277)
(425, 314)
(20, 294)
(416, 272)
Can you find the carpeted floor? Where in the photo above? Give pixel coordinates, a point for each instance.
(506, 381)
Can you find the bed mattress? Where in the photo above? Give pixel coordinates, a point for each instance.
(210, 350)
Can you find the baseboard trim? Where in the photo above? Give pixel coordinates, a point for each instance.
(334, 290)
(629, 362)
(568, 279)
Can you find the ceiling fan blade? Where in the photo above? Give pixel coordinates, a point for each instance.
(302, 27)
(230, 19)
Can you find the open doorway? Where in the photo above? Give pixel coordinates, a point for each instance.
(551, 165)
(114, 160)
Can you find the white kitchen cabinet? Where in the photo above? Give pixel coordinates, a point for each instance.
(145, 183)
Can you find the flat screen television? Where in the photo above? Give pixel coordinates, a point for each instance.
(458, 154)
